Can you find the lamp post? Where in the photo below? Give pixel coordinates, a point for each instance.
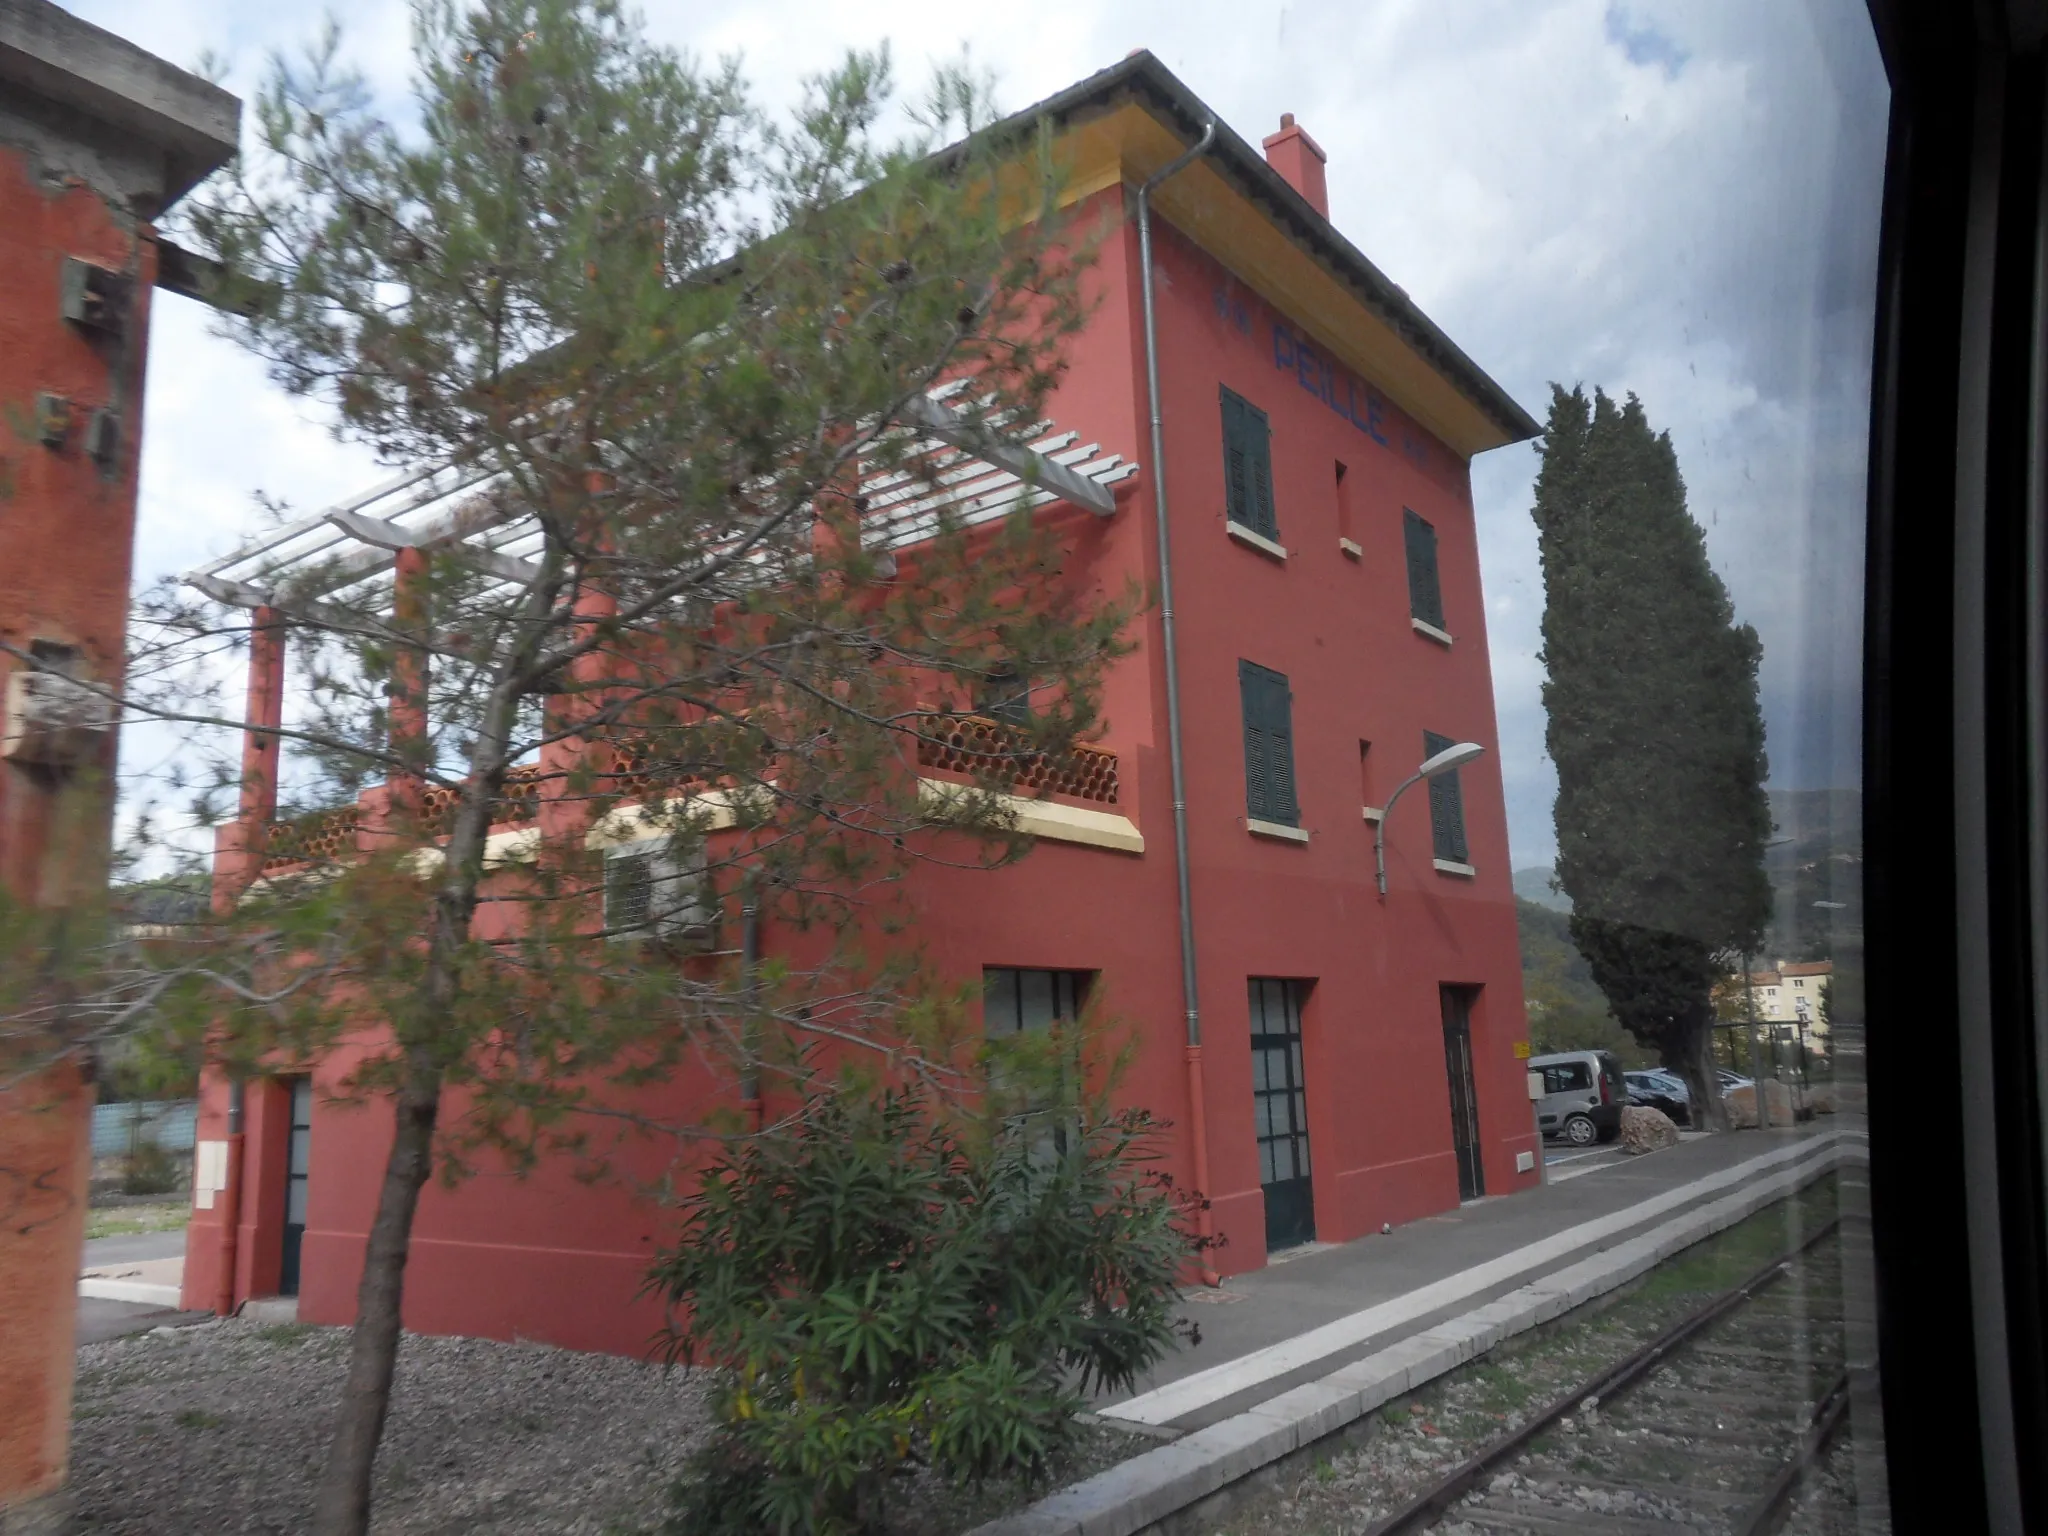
(1451, 757)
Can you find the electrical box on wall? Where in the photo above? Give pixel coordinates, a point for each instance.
(52, 718)
(95, 297)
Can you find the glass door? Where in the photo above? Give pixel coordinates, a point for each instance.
(1280, 1112)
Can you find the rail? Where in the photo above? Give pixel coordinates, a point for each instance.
(1438, 1500)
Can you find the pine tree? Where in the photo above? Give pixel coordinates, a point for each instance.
(674, 337)
(1655, 730)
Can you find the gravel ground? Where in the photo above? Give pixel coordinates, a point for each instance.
(1828, 1502)
(222, 1428)
(1407, 1446)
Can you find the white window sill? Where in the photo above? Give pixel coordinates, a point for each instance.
(1276, 830)
(1375, 813)
(1424, 627)
(1352, 548)
(1258, 541)
(1453, 867)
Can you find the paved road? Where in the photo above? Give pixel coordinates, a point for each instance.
(98, 1320)
(133, 1247)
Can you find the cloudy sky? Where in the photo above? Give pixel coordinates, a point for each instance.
(1674, 197)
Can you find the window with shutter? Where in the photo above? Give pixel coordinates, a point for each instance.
(1425, 592)
(1248, 466)
(1268, 710)
(1446, 804)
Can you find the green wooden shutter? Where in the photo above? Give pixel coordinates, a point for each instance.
(1280, 731)
(1248, 466)
(1260, 436)
(1268, 745)
(1425, 591)
(1251, 702)
(1237, 470)
(1446, 804)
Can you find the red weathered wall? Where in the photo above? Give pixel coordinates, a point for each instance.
(551, 1258)
(1379, 1110)
(45, 1153)
(66, 531)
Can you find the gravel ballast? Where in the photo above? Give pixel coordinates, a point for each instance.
(224, 1427)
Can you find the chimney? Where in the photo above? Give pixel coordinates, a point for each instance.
(1300, 159)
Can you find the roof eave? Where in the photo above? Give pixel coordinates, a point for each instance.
(1141, 75)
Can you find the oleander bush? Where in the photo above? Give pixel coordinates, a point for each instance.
(893, 1287)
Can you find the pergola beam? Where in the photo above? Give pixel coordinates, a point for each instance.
(380, 533)
(1034, 469)
(239, 594)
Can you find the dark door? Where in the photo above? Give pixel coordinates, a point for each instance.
(1457, 1008)
(1280, 1112)
(295, 1185)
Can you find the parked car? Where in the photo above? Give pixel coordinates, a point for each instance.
(1730, 1081)
(1583, 1093)
(1654, 1088)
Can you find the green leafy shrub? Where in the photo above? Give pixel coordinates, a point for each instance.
(148, 1169)
(887, 1288)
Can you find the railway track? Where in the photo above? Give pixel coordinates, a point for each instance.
(1710, 1427)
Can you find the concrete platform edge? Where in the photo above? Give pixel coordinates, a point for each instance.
(130, 1290)
(1144, 1490)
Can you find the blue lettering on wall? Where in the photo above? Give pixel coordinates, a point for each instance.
(1319, 376)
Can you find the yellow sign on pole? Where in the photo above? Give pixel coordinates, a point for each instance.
(1521, 1050)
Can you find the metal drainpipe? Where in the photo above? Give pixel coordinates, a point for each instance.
(230, 1205)
(750, 957)
(1198, 1116)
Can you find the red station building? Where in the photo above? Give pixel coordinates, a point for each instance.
(1347, 1059)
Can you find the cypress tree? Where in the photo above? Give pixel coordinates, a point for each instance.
(1655, 729)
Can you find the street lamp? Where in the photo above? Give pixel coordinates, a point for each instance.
(1451, 757)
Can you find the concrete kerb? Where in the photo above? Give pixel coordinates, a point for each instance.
(137, 1291)
(1154, 1485)
(1352, 1334)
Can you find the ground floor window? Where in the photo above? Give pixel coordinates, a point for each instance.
(1014, 1001)
(1280, 1111)
(1030, 1081)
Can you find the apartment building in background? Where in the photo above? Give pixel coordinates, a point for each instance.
(1359, 1057)
(1788, 998)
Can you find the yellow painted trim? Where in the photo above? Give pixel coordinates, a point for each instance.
(715, 810)
(1129, 143)
(1049, 819)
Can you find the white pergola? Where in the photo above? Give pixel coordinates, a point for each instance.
(353, 545)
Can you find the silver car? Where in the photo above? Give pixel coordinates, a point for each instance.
(1583, 1095)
